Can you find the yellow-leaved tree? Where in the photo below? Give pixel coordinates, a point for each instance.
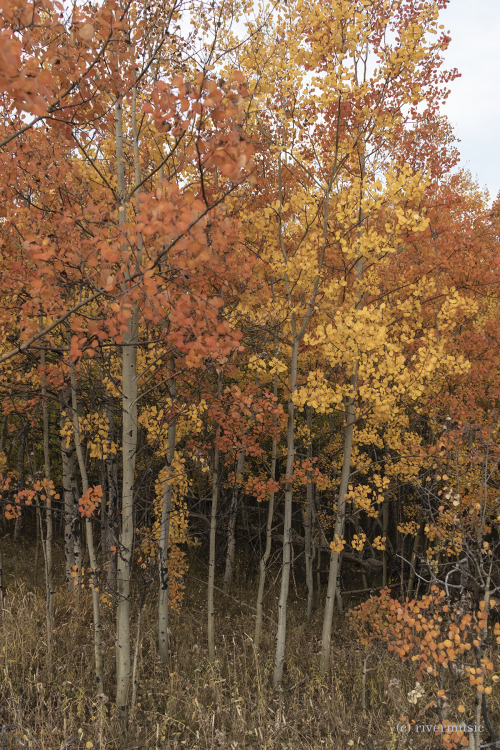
(334, 89)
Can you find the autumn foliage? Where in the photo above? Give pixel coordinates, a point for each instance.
(249, 327)
(450, 647)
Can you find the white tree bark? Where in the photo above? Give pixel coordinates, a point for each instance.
(49, 526)
(89, 535)
(231, 528)
(308, 530)
(333, 574)
(71, 520)
(164, 535)
(279, 658)
(213, 530)
(269, 527)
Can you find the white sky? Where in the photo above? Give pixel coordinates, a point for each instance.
(473, 106)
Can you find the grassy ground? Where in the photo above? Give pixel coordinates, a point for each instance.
(191, 703)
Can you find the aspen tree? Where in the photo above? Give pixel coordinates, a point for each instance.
(264, 560)
(165, 528)
(331, 110)
(72, 544)
(231, 527)
(49, 523)
(213, 532)
(89, 535)
(308, 522)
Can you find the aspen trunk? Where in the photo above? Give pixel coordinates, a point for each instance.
(213, 530)
(231, 529)
(69, 549)
(129, 445)
(17, 528)
(308, 525)
(137, 651)
(297, 336)
(110, 527)
(3, 435)
(124, 562)
(414, 556)
(385, 526)
(269, 524)
(385, 531)
(109, 510)
(338, 533)
(49, 521)
(3, 432)
(164, 535)
(21, 451)
(70, 512)
(89, 535)
(279, 659)
(77, 543)
(267, 551)
(318, 571)
(333, 587)
(2, 588)
(401, 554)
(359, 530)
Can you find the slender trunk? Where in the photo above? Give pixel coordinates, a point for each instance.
(137, 651)
(49, 521)
(385, 527)
(269, 527)
(124, 562)
(279, 658)
(77, 543)
(70, 512)
(110, 511)
(3, 435)
(333, 588)
(103, 516)
(129, 435)
(164, 533)
(338, 533)
(402, 555)
(267, 552)
(385, 530)
(231, 529)
(98, 657)
(483, 635)
(318, 571)
(3, 432)
(308, 523)
(71, 517)
(213, 529)
(413, 561)
(21, 450)
(338, 593)
(297, 335)
(17, 528)
(359, 530)
(37, 543)
(2, 588)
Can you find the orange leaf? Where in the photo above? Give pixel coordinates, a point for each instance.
(86, 31)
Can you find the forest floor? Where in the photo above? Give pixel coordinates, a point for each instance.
(189, 702)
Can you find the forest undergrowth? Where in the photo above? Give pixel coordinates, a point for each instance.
(190, 702)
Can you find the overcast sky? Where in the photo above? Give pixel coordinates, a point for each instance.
(473, 106)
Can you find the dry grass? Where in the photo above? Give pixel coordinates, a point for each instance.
(191, 703)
